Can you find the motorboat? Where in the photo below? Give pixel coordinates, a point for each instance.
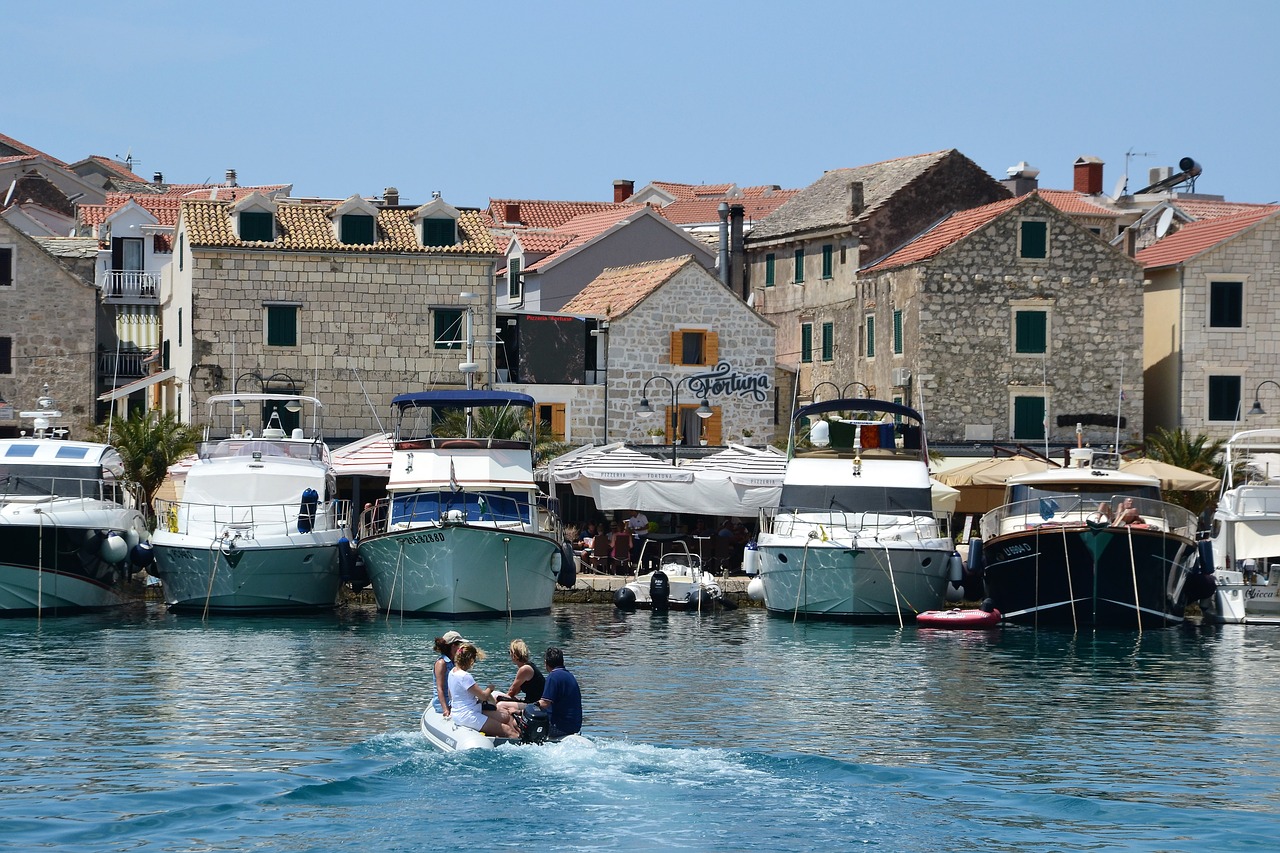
(464, 531)
(258, 528)
(72, 531)
(854, 536)
(676, 579)
(1089, 545)
(446, 735)
(1245, 532)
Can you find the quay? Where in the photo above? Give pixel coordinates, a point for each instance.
(599, 589)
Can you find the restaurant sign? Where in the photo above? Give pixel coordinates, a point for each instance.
(723, 380)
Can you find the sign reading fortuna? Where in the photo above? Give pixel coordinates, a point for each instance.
(724, 380)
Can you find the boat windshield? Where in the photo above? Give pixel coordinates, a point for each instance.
(249, 446)
(857, 498)
(46, 480)
(1082, 494)
(472, 506)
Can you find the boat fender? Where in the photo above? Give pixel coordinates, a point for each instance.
(976, 564)
(987, 606)
(755, 589)
(1204, 557)
(131, 537)
(957, 570)
(142, 555)
(659, 590)
(114, 548)
(307, 510)
(624, 598)
(346, 560)
(568, 574)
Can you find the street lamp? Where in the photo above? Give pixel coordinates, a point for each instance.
(645, 410)
(843, 393)
(294, 406)
(1257, 402)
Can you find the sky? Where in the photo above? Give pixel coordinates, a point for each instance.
(556, 100)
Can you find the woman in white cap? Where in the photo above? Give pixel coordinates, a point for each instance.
(447, 646)
(467, 697)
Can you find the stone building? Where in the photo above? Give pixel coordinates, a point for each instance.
(1212, 314)
(349, 301)
(671, 326)
(995, 322)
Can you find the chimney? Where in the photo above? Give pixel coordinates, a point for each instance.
(157, 178)
(623, 190)
(390, 197)
(856, 203)
(231, 177)
(512, 213)
(737, 252)
(1088, 173)
(1022, 179)
(723, 262)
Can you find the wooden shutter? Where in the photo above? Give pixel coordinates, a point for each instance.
(711, 352)
(1031, 332)
(1028, 418)
(1035, 240)
(677, 346)
(712, 427)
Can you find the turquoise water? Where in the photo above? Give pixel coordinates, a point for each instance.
(146, 731)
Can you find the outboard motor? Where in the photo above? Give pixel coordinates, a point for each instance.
(307, 510)
(534, 724)
(660, 590)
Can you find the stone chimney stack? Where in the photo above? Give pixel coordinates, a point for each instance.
(1022, 179)
(231, 177)
(1088, 176)
(390, 197)
(512, 213)
(856, 202)
(623, 190)
(737, 252)
(157, 178)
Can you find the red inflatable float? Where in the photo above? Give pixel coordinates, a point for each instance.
(975, 618)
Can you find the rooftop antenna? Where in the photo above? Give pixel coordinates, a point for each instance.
(1129, 155)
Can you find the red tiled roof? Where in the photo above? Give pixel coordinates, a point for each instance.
(695, 211)
(690, 191)
(1201, 209)
(543, 214)
(115, 166)
(163, 208)
(541, 242)
(27, 150)
(582, 229)
(949, 231)
(619, 289)
(1195, 238)
(1072, 202)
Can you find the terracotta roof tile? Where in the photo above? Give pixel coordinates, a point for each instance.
(120, 170)
(307, 227)
(582, 229)
(946, 233)
(696, 211)
(541, 242)
(1204, 209)
(163, 208)
(543, 214)
(1195, 238)
(26, 150)
(1072, 202)
(617, 290)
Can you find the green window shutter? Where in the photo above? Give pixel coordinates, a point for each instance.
(897, 332)
(439, 232)
(1224, 398)
(871, 336)
(515, 282)
(769, 261)
(257, 225)
(1226, 304)
(828, 341)
(1028, 418)
(806, 343)
(1034, 240)
(357, 229)
(282, 325)
(799, 266)
(826, 261)
(447, 331)
(1031, 332)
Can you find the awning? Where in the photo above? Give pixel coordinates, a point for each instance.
(136, 385)
(366, 457)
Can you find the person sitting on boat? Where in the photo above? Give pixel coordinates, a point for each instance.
(468, 698)
(1128, 513)
(561, 696)
(528, 680)
(447, 646)
(1102, 515)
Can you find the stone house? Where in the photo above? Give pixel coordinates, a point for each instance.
(671, 329)
(1212, 315)
(48, 317)
(349, 301)
(805, 256)
(995, 322)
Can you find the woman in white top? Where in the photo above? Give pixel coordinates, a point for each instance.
(466, 697)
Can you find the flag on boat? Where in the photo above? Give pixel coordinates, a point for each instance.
(453, 477)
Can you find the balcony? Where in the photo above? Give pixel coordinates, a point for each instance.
(125, 365)
(131, 287)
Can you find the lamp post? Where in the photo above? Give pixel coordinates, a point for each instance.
(645, 410)
(866, 392)
(1257, 402)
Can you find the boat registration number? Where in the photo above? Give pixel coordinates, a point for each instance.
(422, 538)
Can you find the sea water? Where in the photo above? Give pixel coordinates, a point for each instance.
(149, 731)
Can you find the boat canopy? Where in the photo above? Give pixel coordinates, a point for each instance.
(858, 404)
(421, 399)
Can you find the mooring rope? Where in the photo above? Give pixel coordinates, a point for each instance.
(1133, 568)
(804, 561)
(506, 570)
(395, 578)
(40, 568)
(215, 548)
(1071, 592)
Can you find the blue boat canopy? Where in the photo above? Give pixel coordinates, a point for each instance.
(424, 399)
(856, 404)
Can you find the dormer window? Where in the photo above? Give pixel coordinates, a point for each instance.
(436, 223)
(356, 229)
(255, 218)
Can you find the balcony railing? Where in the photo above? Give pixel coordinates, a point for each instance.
(131, 285)
(125, 365)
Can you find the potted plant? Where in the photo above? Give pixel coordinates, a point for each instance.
(656, 435)
(746, 434)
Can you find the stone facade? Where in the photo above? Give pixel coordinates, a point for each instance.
(48, 321)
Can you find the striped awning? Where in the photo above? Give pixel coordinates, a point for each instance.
(745, 466)
(366, 457)
(139, 326)
(613, 463)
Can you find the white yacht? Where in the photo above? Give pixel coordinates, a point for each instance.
(1246, 532)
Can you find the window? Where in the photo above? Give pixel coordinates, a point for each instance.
(1033, 239)
(446, 330)
(1028, 418)
(694, 347)
(806, 343)
(769, 261)
(551, 417)
(1030, 332)
(871, 336)
(182, 239)
(515, 284)
(6, 355)
(6, 266)
(357, 229)
(897, 332)
(1224, 398)
(1226, 304)
(439, 232)
(799, 266)
(257, 225)
(828, 342)
(282, 325)
(827, 252)
(179, 327)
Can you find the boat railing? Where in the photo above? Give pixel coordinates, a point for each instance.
(259, 448)
(448, 507)
(250, 521)
(1079, 511)
(1256, 501)
(15, 487)
(841, 524)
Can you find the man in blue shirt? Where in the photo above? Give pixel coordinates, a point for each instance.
(561, 697)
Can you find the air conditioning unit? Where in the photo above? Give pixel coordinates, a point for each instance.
(901, 376)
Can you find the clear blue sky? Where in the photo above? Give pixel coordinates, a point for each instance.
(557, 99)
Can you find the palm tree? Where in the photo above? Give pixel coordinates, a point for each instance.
(1198, 453)
(149, 443)
(501, 422)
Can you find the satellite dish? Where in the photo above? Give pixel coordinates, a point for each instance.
(1120, 186)
(1163, 223)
